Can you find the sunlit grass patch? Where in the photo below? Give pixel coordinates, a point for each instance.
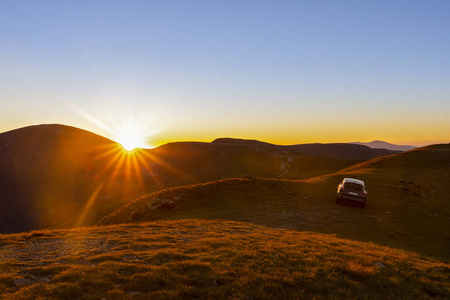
(146, 282)
(103, 257)
(39, 234)
(48, 270)
(167, 255)
(121, 269)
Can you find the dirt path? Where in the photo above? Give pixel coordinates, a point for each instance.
(284, 167)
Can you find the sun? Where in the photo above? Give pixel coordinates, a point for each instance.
(131, 137)
(130, 142)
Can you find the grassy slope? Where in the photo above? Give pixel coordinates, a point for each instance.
(408, 204)
(200, 259)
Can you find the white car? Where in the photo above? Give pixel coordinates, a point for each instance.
(352, 190)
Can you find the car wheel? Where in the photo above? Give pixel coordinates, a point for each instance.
(363, 205)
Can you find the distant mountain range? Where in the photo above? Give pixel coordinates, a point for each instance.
(54, 176)
(332, 150)
(384, 145)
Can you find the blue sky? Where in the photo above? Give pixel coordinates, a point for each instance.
(279, 71)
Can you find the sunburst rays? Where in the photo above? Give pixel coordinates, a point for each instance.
(128, 174)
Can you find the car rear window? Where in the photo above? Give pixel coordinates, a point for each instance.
(353, 186)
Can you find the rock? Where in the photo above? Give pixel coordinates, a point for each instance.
(43, 279)
(22, 281)
(150, 206)
(441, 269)
(379, 265)
(163, 203)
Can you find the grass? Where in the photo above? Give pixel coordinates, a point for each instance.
(408, 205)
(201, 259)
(254, 239)
(401, 221)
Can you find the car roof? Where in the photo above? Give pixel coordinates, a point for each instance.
(352, 180)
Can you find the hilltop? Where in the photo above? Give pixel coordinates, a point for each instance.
(56, 176)
(407, 208)
(384, 145)
(218, 259)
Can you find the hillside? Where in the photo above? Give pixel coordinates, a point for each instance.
(54, 176)
(198, 259)
(408, 205)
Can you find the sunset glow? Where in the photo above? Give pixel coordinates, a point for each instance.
(356, 75)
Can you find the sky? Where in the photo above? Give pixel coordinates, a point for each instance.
(284, 72)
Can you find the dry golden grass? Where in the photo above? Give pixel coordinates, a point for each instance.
(198, 259)
(408, 204)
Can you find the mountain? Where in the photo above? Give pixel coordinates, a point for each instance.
(48, 173)
(408, 203)
(332, 150)
(54, 176)
(384, 145)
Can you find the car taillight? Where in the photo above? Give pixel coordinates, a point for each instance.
(364, 193)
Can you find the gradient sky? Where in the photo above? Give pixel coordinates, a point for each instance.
(284, 72)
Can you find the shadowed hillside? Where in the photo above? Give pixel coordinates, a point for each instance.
(48, 172)
(198, 259)
(408, 204)
(55, 176)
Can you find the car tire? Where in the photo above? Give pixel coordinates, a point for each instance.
(363, 205)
